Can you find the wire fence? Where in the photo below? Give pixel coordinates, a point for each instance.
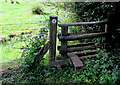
(18, 24)
(39, 22)
(23, 29)
(23, 32)
(23, 24)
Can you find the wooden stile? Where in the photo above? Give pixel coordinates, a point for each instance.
(76, 52)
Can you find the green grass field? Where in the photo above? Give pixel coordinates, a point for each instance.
(16, 18)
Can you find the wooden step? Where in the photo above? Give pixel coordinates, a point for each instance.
(79, 36)
(75, 60)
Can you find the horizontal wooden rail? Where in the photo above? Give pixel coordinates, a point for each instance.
(98, 31)
(73, 49)
(78, 45)
(77, 37)
(86, 52)
(82, 23)
(88, 56)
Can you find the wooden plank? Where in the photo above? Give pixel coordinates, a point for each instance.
(77, 45)
(77, 37)
(52, 35)
(75, 59)
(73, 49)
(82, 23)
(41, 53)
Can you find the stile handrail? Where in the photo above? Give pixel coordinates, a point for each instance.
(83, 23)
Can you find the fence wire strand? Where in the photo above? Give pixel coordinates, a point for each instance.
(39, 22)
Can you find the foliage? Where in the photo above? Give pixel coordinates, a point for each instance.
(35, 43)
(101, 70)
(94, 11)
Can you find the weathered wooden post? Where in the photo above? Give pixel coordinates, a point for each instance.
(64, 32)
(52, 36)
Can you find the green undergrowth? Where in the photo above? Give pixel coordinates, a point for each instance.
(104, 69)
(101, 70)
